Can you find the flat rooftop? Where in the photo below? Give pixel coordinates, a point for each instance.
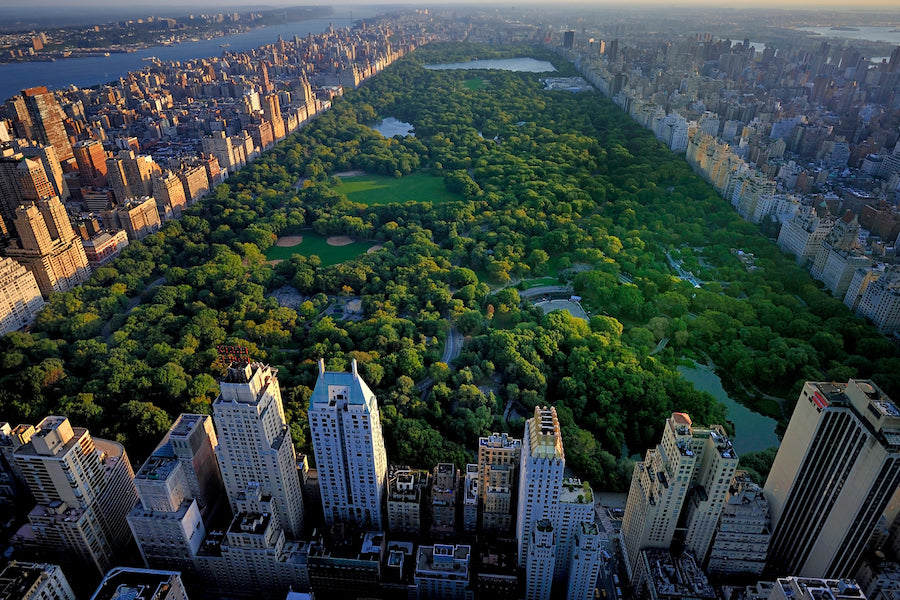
(136, 584)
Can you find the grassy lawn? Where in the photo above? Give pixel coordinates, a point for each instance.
(378, 189)
(316, 244)
(474, 84)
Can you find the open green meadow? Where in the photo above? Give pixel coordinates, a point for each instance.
(314, 243)
(474, 84)
(378, 189)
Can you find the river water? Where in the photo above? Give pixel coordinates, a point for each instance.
(753, 431)
(85, 72)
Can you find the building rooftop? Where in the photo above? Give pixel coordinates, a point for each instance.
(808, 588)
(17, 580)
(157, 468)
(574, 491)
(443, 561)
(675, 577)
(137, 584)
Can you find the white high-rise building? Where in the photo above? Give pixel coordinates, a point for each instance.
(836, 471)
(584, 562)
(255, 445)
(540, 476)
(346, 433)
(541, 561)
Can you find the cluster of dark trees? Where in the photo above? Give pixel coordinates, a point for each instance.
(548, 183)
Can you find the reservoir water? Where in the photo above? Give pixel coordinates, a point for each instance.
(528, 65)
(85, 72)
(753, 431)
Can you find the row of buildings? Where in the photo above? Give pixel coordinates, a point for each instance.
(83, 172)
(225, 501)
(800, 143)
(827, 514)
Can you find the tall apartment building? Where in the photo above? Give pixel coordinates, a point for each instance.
(742, 537)
(84, 489)
(880, 302)
(540, 562)
(443, 572)
(406, 494)
(346, 433)
(34, 581)
(576, 507)
(138, 217)
(20, 297)
(540, 477)
(91, 159)
(255, 445)
(48, 246)
(49, 159)
(130, 176)
(168, 191)
(178, 487)
(584, 561)
(47, 121)
(803, 235)
(444, 499)
(124, 583)
(498, 460)
(688, 472)
(836, 470)
(195, 182)
(469, 499)
(229, 151)
(859, 283)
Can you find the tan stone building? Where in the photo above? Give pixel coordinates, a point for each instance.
(498, 463)
(48, 246)
(20, 297)
(83, 488)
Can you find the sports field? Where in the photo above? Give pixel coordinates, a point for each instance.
(314, 243)
(377, 189)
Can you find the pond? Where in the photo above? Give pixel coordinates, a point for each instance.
(390, 127)
(753, 431)
(525, 64)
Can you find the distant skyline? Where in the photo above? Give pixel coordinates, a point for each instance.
(36, 6)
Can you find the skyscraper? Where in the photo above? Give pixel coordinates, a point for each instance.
(584, 562)
(835, 472)
(255, 445)
(178, 487)
(541, 560)
(47, 121)
(689, 471)
(91, 159)
(84, 490)
(346, 433)
(48, 246)
(540, 477)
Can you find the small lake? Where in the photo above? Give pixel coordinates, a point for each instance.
(527, 65)
(752, 431)
(390, 127)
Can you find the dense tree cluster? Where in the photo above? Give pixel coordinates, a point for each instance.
(548, 183)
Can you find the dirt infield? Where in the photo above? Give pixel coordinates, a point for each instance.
(289, 241)
(339, 240)
(374, 248)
